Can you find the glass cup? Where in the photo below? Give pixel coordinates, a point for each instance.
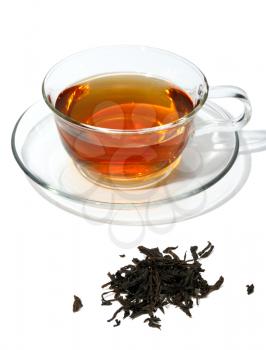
(102, 154)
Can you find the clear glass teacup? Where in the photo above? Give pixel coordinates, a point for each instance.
(123, 136)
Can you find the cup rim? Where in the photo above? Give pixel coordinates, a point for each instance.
(180, 122)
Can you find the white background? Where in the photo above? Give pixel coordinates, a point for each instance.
(47, 255)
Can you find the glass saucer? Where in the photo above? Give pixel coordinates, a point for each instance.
(39, 152)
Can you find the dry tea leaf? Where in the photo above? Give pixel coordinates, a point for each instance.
(250, 289)
(77, 305)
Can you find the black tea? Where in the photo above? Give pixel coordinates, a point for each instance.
(160, 279)
(250, 289)
(77, 305)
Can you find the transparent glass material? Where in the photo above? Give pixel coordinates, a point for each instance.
(149, 62)
(125, 59)
(41, 155)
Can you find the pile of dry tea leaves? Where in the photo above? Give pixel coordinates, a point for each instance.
(160, 279)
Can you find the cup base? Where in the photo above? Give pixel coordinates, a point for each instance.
(123, 183)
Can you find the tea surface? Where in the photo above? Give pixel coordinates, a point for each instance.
(124, 101)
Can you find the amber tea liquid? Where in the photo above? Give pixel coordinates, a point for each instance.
(126, 102)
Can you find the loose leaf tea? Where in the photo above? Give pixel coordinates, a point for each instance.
(160, 279)
(117, 323)
(250, 289)
(77, 305)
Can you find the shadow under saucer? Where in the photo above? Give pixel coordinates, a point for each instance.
(167, 212)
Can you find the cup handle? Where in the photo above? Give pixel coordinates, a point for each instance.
(235, 123)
